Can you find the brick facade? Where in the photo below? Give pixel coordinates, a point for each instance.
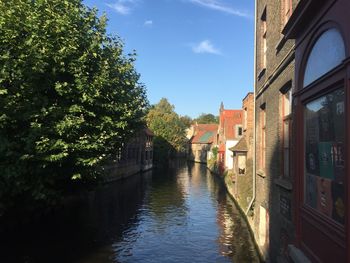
(242, 178)
(230, 131)
(271, 216)
(201, 138)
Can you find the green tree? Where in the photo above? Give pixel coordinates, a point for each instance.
(69, 98)
(206, 118)
(169, 130)
(186, 120)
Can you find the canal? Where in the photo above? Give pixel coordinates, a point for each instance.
(181, 215)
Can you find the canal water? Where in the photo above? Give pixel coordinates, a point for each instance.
(183, 214)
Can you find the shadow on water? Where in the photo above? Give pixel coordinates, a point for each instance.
(88, 221)
(182, 214)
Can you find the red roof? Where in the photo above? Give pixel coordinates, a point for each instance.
(204, 133)
(206, 127)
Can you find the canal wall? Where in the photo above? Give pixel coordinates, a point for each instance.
(117, 172)
(231, 189)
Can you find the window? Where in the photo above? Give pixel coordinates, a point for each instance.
(286, 11)
(327, 53)
(245, 119)
(324, 171)
(239, 131)
(263, 39)
(241, 164)
(262, 136)
(286, 130)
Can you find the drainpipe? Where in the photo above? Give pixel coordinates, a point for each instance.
(254, 115)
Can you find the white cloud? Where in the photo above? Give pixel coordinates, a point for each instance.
(219, 6)
(148, 23)
(205, 47)
(123, 7)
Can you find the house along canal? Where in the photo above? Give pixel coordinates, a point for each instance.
(181, 215)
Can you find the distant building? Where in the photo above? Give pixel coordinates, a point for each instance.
(243, 154)
(146, 144)
(201, 141)
(134, 157)
(230, 131)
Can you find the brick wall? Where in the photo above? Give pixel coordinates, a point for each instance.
(271, 218)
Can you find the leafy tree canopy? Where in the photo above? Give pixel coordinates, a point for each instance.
(168, 128)
(206, 118)
(186, 120)
(68, 97)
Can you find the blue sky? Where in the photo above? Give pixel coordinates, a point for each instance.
(195, 53)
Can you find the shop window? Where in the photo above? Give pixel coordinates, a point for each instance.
(327, 53)
(324, 155)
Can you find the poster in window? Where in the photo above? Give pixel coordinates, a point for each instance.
(325, 157)
(339, 162)
(311, 190)
(324, 196)
(338, 212)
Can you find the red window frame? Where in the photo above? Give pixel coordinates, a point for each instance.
(286, 119)
(263, 138)
(263, 39)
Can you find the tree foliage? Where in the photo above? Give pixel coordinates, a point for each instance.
(68, 97)
(207, 118)
(186, 120)
(169, 130)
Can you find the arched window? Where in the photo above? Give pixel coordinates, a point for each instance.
(327, 53)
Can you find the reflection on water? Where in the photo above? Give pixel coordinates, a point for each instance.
(181, 215)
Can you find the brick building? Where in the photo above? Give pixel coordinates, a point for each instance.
(136, 156)
(271, 216)
(230, 131)
(201, 141)
(243, 154)
(301, 188)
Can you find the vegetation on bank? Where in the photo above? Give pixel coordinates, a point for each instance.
(69, 98)
(169, 130)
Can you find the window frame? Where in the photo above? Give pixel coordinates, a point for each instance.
(286, 11)
(286, 119)
(262, 162)
(239, 128)
(263, 48)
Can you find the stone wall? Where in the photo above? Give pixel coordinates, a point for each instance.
(199, 152)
